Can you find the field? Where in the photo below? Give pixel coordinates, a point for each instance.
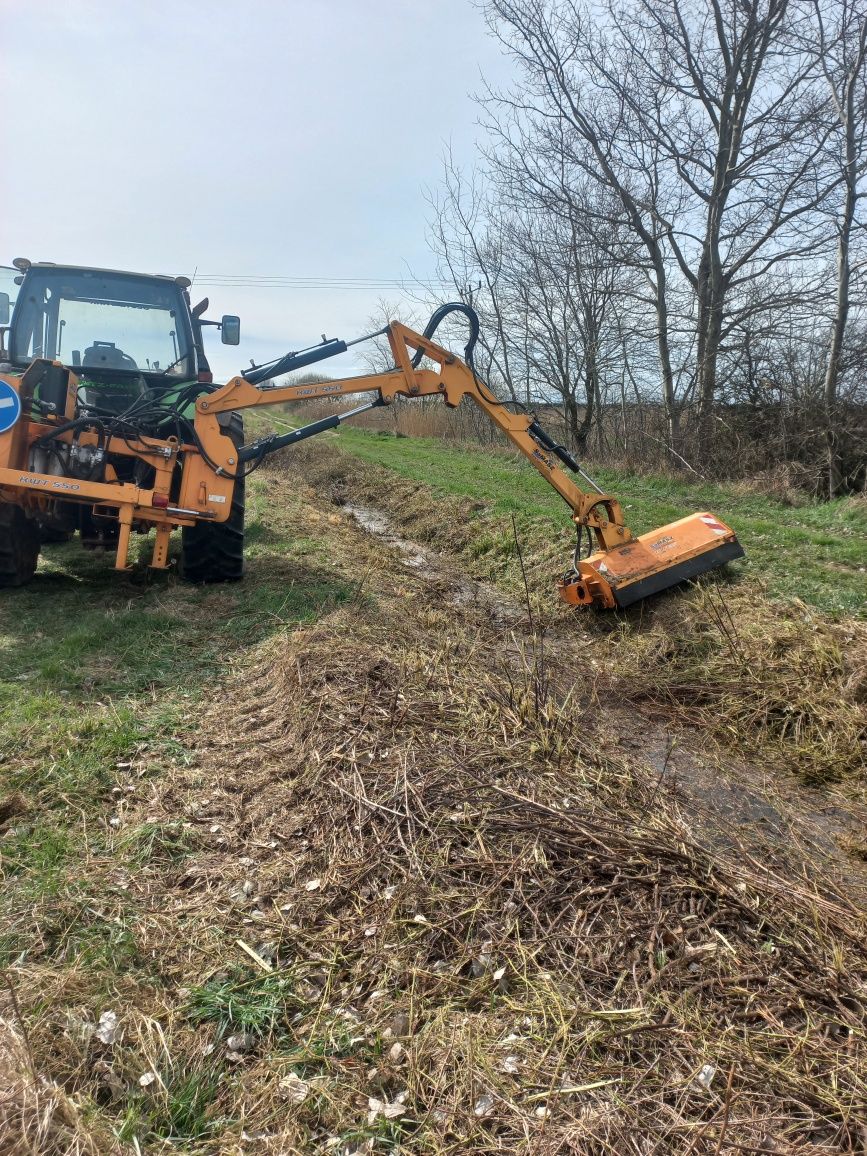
(383, 850)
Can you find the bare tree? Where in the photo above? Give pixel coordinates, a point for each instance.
(552, 113)
(376, 355)
(841, 51)
(567, 288)
(471, 254)
(544, 285)
(699, 117)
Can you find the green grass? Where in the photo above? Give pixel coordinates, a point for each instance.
(156, 843)
(181, 1111)
(816, 552)
(239, 1002)
(103, 669)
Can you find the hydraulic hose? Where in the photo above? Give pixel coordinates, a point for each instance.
(65, 427)
(438, 316)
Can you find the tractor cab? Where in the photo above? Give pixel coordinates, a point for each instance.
(103, 322)
(101, 370)
(121, 332)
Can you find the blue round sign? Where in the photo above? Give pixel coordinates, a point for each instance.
(10, 407)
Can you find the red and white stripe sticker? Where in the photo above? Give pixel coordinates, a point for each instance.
(711, 522)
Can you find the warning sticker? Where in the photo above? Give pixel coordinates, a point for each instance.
(712, 524)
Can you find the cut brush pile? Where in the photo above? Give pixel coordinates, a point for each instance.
(774, 677)
(475, 934)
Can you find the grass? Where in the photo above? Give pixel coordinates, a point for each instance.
(816, 552)
(333, 812)
(106, 676)
(485, 917)
(239, 1002)
(181, 1111)
(762, 659)
(157, 843)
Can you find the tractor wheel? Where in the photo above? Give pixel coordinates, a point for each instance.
(214, 551)
(19, 546)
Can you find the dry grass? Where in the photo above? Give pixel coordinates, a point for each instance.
(785, 680)
(37, 1118)
(771, 677)
(410, 893)
(439, 860)
(788, 482)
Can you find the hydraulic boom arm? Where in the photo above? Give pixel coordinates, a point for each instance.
(622, 570)
(110, 449)
(452, 380)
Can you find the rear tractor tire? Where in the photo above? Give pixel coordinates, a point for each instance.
(214, 551)
(19, 546)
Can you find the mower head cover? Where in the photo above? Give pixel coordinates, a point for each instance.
(652, 562)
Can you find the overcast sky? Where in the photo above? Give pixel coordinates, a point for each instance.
(261, 138)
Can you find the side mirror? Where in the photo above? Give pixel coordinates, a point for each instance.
(4, 309)
(230, 330)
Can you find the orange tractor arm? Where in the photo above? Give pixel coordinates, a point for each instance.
(452, 380)
(622, 570)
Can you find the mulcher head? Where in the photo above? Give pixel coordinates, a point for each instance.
(652, 562)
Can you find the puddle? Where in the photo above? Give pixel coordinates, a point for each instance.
(742, 808)
(371, 520)
(464, 591)
(375, 522)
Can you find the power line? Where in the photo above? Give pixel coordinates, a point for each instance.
(276, 281)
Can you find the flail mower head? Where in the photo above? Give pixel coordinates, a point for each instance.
(617, 577)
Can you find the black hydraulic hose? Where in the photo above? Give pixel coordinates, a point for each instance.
(555, 448)
(438, 316)
(472, 316)
(63, 428)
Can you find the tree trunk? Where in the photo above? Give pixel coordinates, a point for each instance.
(669, 398)
(710, 292)
(571, 410)
(832, 373)
(591, 392)
(710, 331)
(847, 114)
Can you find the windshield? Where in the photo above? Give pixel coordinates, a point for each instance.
(102, 321)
